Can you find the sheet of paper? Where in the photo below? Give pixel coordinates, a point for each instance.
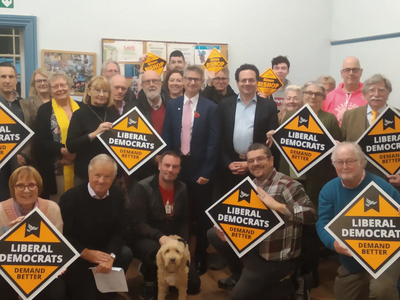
(202, 52)
(159, 49)
(186, 49)
(114, 281)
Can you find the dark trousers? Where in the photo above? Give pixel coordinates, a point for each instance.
(257, 277)
(80, 281)
(146, 250)
(5, 174)
(54, 291)
(200, 199)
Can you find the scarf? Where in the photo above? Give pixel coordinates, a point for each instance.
(63, 123)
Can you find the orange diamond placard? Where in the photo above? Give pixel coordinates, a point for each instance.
(370, 227)
(303, 140)
(132, 141)
(33, 253)
(13, 134)
(381, 142)
(215, 62)
(269, 83)
(155, 63)
(243, 217)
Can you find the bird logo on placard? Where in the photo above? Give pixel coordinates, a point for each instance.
(131, 122)
(369, 202)
(243, 194)
(32, 228)
(302, 120)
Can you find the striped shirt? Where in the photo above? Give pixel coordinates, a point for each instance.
(285, 242)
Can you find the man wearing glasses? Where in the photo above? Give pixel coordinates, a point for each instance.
(246, 119)
(218, 87)
(192, 128)
(348, 93)
(353, 282)
(260, 276)
(376, 90)
(22, 109)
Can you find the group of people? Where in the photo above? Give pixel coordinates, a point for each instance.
(215, 138)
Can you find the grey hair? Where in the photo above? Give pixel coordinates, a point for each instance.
(356, 148)
(102, 158)
(62, 75)
(375, 79)
(315, 83)
(225, 71)
(194, 68)
(105, 64)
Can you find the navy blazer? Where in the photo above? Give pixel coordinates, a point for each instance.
(204, 144)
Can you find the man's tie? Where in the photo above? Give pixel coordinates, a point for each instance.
(374, 115)
(186, 128)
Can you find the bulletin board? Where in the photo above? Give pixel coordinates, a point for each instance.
(127, 53)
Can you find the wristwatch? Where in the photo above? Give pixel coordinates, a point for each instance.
(112, 255)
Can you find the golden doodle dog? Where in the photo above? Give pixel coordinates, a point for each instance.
(173, 260)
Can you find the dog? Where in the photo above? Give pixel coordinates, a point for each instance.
(173, 261)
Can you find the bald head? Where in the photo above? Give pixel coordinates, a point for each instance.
(118, 87)
(351, 61)
(151, 84)
(351, 74)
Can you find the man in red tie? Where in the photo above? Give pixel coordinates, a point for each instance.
(192, 128)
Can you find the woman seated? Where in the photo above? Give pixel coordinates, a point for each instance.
(25, 185)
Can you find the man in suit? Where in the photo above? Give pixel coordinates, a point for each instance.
(376, 90)
(245, 120)
(192, 128)
(22, 109)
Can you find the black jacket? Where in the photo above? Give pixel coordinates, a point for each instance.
(46, 150)
(149, 218)
(211, 93)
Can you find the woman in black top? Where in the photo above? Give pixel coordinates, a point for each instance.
(88, 122)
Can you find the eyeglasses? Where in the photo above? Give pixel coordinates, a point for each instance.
(220, 78)
(60, 86)
(250, 80)
(349, 162)
(150, 81)
(41, 81)
(354, 70)
(257, 159)
(99, 91)
(190, 79)
(21, 187)
(376, 90)
(317, 94)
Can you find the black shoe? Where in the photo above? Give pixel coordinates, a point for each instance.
(149, 291)
(201, 267)
(226, 283)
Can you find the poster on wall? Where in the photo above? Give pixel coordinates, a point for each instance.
(186, 49)
(79, 66)
(123, 51)
(204, 51)
(159, 49)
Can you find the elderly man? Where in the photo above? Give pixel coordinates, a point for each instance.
(275, 258)
(281, 67)
(118, 91)
(218, 86)
(376, 91)
(192, 128)
(109, 69)
(353, 282)
(348, 94)
(94, 223)
(246, 119)
(160, 209)
(22, 109)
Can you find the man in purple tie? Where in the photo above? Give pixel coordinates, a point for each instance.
(192, 128)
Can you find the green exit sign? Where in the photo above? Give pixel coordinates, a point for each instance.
(7, 3)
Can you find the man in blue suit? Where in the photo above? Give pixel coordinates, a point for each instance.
(192, 128)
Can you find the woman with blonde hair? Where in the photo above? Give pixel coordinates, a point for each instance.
(55, 161)
(293, 101)
(88, 122)
(39, 92)
(25, 186)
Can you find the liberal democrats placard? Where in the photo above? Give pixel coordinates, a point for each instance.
(381, 142)
(303, 140)
(370, 227)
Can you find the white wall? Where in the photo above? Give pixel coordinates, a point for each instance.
(255, 30)
(363, 18)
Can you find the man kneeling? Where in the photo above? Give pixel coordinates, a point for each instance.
(275, 258)
(160, 209)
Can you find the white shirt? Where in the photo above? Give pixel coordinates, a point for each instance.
(193, 106)
(369, 113)
(156, 106)
(94, 195)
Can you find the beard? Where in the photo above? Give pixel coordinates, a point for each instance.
(152, 95)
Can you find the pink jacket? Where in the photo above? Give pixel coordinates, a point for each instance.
(337, 101)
